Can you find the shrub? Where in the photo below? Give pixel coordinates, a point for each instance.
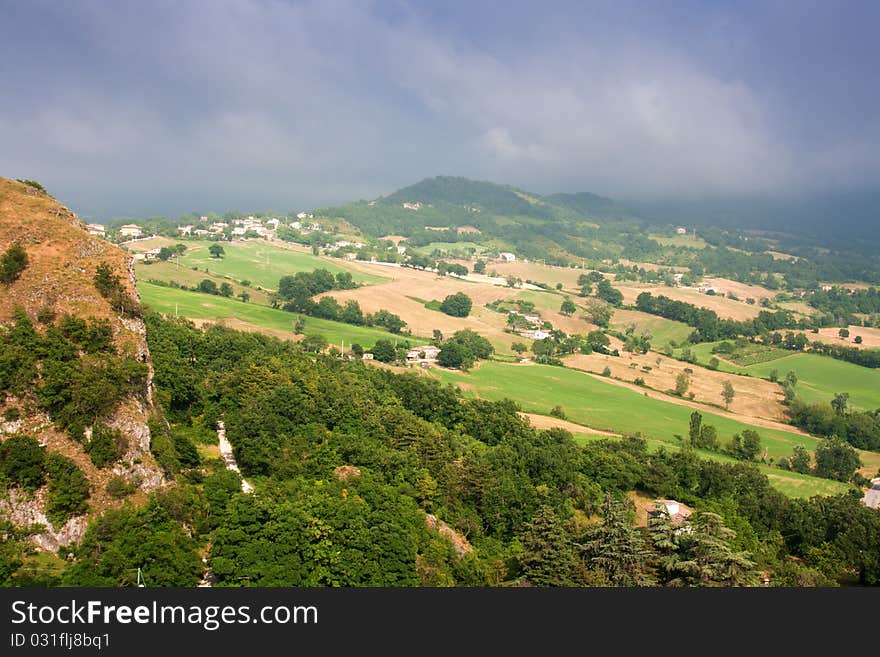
(106, 446)
(22, 462)
(457, 305)
(68, 489)
(13, 263)
(118, 487)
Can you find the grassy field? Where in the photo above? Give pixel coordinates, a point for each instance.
(262, 263)
(662, 330)
(453, 248)
(819, 377)
(687, 239)
(236, 314)
(593, 403)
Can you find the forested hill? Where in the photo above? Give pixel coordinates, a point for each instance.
(75, 372)
(454, 201)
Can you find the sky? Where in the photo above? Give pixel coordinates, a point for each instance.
(164, 107)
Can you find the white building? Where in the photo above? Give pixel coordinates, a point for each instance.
(537, 334)
(131, 230)
(185, 230)
(401, 249)
(304, 215)
(295, 224)
(681, 231)
(412, 206)
(429, 350)
(95, 229)
(507, 257)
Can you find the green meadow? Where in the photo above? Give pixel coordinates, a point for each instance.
(261, 263)
(595, 403)
(195, 305)
(819, 377)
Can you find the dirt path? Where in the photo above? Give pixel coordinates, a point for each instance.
(546, 422)
(229, 457)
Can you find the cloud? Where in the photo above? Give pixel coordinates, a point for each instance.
(169, 107)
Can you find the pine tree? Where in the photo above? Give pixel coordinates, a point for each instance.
(616, 547)
(548, 557)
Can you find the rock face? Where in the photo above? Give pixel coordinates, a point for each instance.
(62, 260)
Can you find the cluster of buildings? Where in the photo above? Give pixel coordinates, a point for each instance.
(424, 355)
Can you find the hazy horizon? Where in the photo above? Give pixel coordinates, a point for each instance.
(136, 110)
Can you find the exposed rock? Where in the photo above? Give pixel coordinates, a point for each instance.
(26, 510)
(459, 543)
(345, 472)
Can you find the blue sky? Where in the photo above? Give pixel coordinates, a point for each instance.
(147, 108)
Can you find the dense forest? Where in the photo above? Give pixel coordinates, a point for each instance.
(356, 467)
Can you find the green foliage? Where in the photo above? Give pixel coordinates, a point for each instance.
(457, 305)
(616, 548)
(216, 251)
(836, 460)
(106, 446)
(68, 489)
(110, 286)
(118, 487)
(33, 183)
(548, 553)
(121, 541)
(745, 446)
(12, 263)
(568, 307)
(22, 462)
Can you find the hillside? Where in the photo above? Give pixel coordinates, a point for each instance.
(75, 373)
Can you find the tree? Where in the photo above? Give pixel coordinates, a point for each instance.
(480, 267)
(244, 296)
(843, 333)
(616, 548)
(607, 293)
(226, 290)
(598, 340)
(13, 262)
(727, 393)
(708, 437)
(519, 348)
(695, 426)
(774, 375)
(548, 555)
(836, 459)
(599, 312)
(682, 383)
(384, 351)
(800, 460)
(216, 251)
(702, 556)
(858, 339)
(745, 446)
(22, 462)
(839, 402)
(568, 307)
(457, 305)
(208, 286)
(456, 355)
(314, 343)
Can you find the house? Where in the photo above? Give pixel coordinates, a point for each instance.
(412, 206)
(677, 278)
(507, 257)
(825, 288)
(367, 356)
(430, 353)
(872, 496)
(676, 511)
(295, 225)
(273, 222)
(152, 254)
(304, 215)
(349, 256)
(534, 320)
(681, 231)
(239, 230)
(401, 249)
(201, 232)
(95, 229)
(314, 226)
(185, 230)
(536, 334)
(131, 230)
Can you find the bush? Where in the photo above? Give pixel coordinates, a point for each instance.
(106, 446)
(22, 462)
(68, 489)
(558, 411)
(13, 263)
(606, 371)
(118, 487)
(457, 305)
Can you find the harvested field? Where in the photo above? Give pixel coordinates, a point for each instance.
(726, 308)
(755, 398)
